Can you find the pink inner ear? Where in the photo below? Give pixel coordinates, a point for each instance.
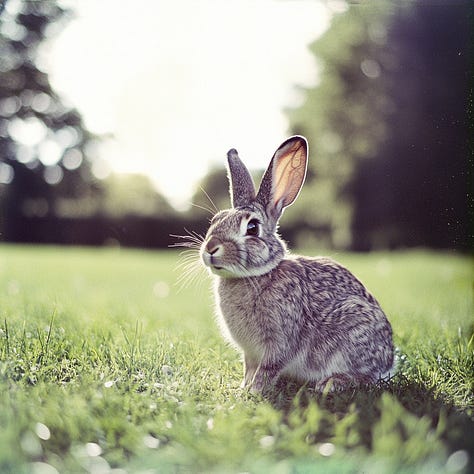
(289, 172)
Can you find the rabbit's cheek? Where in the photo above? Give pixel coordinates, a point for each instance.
(257, 250)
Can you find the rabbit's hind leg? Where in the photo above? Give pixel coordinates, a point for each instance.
(364, 338)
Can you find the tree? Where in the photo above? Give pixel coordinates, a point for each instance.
(423, 164)
(46, 153)
(388, 127)
(45, 150)
(132, 194)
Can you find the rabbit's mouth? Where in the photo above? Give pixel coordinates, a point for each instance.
(217, 269)
(222, 272)
(209, 261)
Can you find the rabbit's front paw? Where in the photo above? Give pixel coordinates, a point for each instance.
(250, 368)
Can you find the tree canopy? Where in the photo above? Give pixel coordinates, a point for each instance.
(388, 127)
(47, 155)
(387, 122)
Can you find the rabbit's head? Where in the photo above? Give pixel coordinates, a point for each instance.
(243, 241)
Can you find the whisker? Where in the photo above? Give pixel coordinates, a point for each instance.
(184, 266)
(191, 240)
(190, 245)
(186, 278)
(190, 252)
(204, 208)
(210, 200)
(197, 235)
(189, 265)
(191, 274)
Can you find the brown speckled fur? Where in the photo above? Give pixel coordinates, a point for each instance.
(305, 318)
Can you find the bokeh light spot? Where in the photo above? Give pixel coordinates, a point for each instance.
(72, 159)
(327, 449)
(42, 431)
(9, 106)
(67, 137)
(6, 173)
(93, 449)
(25, 154)
(161, 289)
(49, 152)
(458, 461)
(100, 169)
(53, 174)
(370, 68)
(29, 132)
(41, 102)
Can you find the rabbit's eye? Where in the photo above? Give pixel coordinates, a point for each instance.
(253, 227)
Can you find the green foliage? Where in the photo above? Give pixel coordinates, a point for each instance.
(132, 194)
(45, 149)
(47, 156)
(388, 110)
(106, 363)
(341, 119)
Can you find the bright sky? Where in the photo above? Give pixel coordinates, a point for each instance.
(178, 83)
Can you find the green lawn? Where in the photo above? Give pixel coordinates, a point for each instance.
(107, 365)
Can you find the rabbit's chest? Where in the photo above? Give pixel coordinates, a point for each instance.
(252, 323)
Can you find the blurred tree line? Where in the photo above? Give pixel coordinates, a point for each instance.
(389, 129)
(387, 124)
(49, 190)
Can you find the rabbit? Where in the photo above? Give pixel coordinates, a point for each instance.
(302, 318)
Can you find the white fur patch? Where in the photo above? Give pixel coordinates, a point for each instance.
(336, 364)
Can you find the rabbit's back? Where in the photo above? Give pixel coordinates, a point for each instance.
(303, 290)
(328, 280)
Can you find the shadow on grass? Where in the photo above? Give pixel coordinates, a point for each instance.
(453, 426)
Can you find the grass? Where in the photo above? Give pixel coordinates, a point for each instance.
(106, 367)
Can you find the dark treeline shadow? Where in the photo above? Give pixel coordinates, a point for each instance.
(127, 231)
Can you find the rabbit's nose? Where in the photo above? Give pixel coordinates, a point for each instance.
(214, 246)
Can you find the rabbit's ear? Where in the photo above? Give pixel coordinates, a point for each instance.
(242, 189)
(284, 176)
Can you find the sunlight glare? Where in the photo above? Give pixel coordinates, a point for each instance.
(177, 91)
